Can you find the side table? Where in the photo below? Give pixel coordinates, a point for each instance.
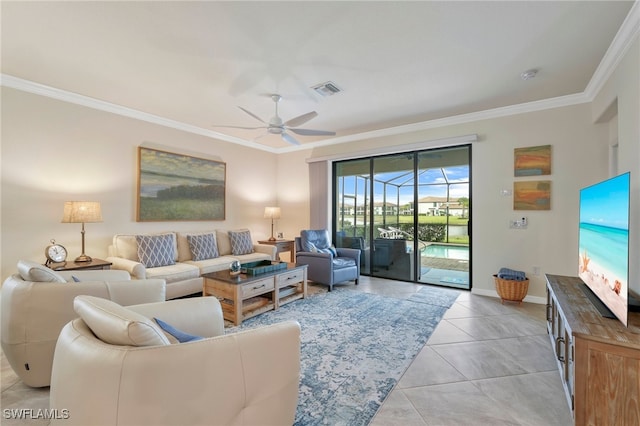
(77, 266)
(282, 246)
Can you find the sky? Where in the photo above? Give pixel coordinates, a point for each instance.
(426, 179)
(606, 203)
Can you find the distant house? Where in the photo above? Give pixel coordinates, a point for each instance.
(429, 206)
(347, 210)
(386, 209)
(440, 206)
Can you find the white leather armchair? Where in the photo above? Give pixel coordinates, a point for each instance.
(35, 309)
(246, 378)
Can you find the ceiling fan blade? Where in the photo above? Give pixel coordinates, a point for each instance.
(241, 127)
(253, 115)
(288, 138)
(301, 119)
(309, 132)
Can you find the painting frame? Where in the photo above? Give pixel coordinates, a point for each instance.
(532, 195)
(532, 161)
(179, 187)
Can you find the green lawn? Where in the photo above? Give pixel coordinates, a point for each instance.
(398, 221)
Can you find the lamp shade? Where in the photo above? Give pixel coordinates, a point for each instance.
(272, 212)
(81, 212)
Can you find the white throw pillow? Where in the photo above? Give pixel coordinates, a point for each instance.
(32, 271)
(117, 325)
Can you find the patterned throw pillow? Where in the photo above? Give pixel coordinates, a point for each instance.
(241, 242)
(156, 250)
(203, 246)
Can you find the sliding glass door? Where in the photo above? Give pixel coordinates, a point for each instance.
(408, 213)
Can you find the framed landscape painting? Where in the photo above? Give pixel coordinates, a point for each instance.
(532, 161)
(178, 187)
(532, 195)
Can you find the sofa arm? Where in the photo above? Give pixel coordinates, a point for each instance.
(348, 252)
(201, 316)
(33, 313)
(247, 378)
(97, 275)
(136, 269)
(266, 249)
(351, 253)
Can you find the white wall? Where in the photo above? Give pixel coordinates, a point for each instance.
(623, 90)
(54, 151)
(579, 156)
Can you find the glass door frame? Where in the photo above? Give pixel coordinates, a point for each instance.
(415, 208)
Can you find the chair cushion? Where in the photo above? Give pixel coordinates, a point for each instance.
(203, 246)
(173, 273)
(343, 262)
(32, 271)
(224, 244)
(241, 242)
(156, 250)
(117, 325)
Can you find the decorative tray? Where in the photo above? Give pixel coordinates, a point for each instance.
(262, 267)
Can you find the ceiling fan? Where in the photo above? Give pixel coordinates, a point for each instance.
(276, 126)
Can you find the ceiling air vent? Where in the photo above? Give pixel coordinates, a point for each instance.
(326, 89)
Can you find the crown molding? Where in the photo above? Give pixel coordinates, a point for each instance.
(544, 104)
(619, 47)
(74, 98)
(415, 146)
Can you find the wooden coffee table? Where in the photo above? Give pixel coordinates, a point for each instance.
(245, 296)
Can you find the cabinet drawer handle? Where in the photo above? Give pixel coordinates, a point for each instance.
(259, 286)
(548, 312)
(558, 355)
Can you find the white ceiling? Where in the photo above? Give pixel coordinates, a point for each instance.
(398, 63)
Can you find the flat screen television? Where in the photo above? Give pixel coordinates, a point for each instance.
(604, 245)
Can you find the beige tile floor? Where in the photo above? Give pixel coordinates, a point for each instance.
(485, 364)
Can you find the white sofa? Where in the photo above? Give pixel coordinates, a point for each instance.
(183, 274)
(114, 366)
(37, 302)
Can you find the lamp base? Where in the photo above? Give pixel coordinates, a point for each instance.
(272, 239)
(83, 258)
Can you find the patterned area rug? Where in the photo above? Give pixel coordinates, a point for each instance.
(354, 348)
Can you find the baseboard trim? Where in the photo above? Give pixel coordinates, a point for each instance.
(492, 293)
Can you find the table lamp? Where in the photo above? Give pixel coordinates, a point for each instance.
(82, 212)
(272, 213)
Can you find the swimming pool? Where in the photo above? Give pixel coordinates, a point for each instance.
(446, 251)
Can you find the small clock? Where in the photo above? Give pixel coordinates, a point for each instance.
(55, 253)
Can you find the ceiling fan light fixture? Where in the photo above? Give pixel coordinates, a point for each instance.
(328, 88)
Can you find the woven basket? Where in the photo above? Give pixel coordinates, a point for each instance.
(511, 290)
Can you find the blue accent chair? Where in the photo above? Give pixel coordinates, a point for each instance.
(327, 265)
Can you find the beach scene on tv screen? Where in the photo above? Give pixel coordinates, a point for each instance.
(604, 242)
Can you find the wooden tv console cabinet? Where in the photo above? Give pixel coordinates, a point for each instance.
(598, 358)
